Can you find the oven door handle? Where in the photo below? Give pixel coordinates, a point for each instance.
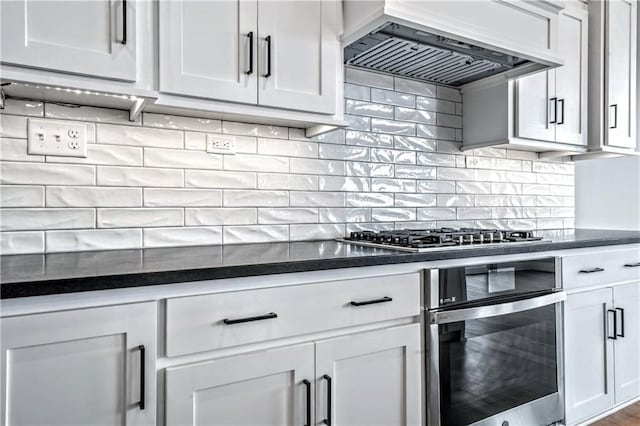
(456, 315)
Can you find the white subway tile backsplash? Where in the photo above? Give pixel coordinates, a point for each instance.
(414, 86)
(182, 197)
(139, 217)
(287, 147)
(16, 150)
(368, 109)
(21, 196)
(134, 176)
(353, 137)
(216, 179)
(316, 232)
(255, 234)
(339, 183)
(344, 215)
(20, 107)
(343, 152)
(287, 215)
(220, 216)
(415, 200)
(392, 214)
(190, 236)
(369, 199)
(181, 123)
(259, 130)
(379, 125)
(316, 199)
(159, 157)
(436, 214)
(355, 91)
(448, 93)
(91, 196)
(414, 143)
(287, 182)
(46, 174)
(366, 78)
(414, 115)
(95, 239)
(357, 122)
(111, 155)
(436, 186)
(393, 185)
(13, 126)
(40, 219)
(243, 198)
(152, 183)
(138, 136)
(250, 162)
(22, 242)
(317, 167)
(393, 98)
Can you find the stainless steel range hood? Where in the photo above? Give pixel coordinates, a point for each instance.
(452, 42)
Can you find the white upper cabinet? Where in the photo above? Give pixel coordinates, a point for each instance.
(612, 77)
(92, 38)
(298, 44)
(208, 49)
(571, 79)
(535, 106)
(544, 111)
(282, 54)
(620, 63)
(80, 367)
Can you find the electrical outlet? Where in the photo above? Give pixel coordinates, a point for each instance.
(221, 144)
(54, 137)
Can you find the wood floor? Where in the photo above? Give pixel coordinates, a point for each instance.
(628, 416)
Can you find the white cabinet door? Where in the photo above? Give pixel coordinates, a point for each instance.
(272, 387)
(571, 79)
(536, 112)
(299, 49)
(626, 299)
(94, 38)
(80, 367)
(589, 364)
(370, 379)
(621, 72)
(208, 49)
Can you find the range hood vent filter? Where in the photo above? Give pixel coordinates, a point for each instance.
(424, 62)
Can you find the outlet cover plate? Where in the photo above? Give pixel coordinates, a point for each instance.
(55, 137)
(221, 144)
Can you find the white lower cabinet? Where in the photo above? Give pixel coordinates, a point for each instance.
(602, 350)
(260, 388)
(80, 367)
(370, 378)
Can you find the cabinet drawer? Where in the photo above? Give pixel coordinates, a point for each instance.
(583, 270)
(202, 323)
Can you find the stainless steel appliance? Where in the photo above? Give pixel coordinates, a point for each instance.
(494, 344)
(421, 240)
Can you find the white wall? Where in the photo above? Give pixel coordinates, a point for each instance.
(608, 193)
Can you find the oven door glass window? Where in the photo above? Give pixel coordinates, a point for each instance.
(491, 365)
(474, 283)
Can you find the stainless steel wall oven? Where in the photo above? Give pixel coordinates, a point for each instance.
(494, 344)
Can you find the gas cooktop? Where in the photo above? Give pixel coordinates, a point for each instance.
(419, 240)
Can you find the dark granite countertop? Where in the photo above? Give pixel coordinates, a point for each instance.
(55, 273)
